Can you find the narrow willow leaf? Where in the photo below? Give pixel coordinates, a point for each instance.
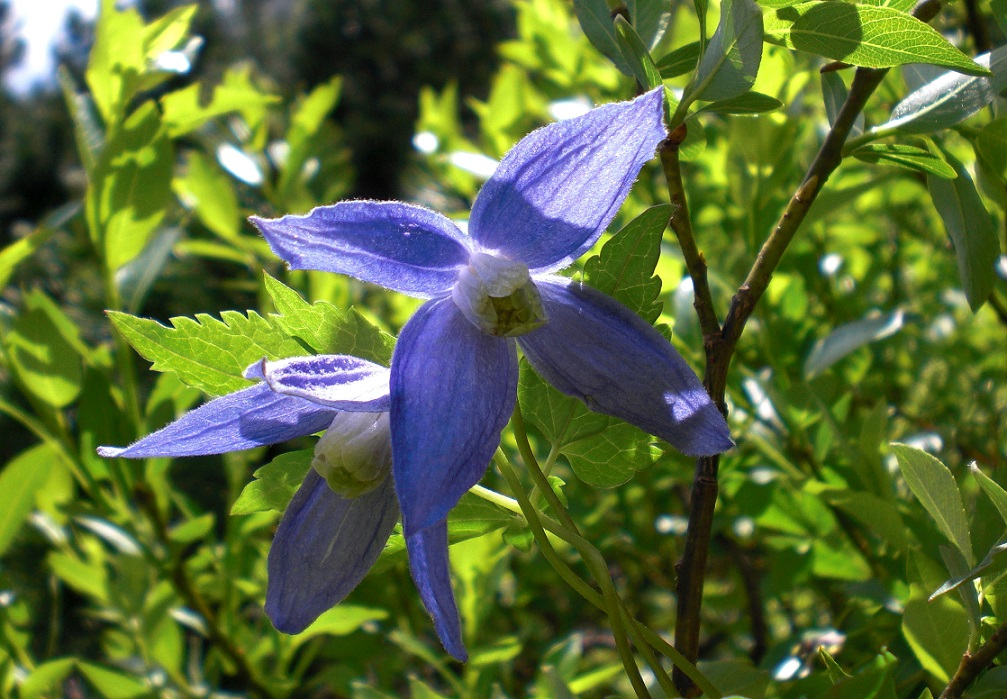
(625, 267)
(596, 20)
(847, 338)
(864, 35)
(937, 632)
(680, 61)
(991, 145)
(834, 94)
(748, 103)
(995, 555)
(275, 483)
(20, 479)
(908, 157)
(650, 19)
(971, 229)
(732, 59)
(204, 352)
(994, 491)
(327, 329)
(934, 486)
(949, 99)
(636, 54)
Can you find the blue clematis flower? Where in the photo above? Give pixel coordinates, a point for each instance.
(340, 518)
(491, 289)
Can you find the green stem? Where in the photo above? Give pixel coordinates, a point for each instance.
(539, 479)
(609, 604)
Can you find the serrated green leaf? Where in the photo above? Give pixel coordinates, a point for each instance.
(994, 491)
(20, 479)
(596, 20)
(274, 484)
(908, 157)
(327, 329)
(624, 269)
(611, 457)
(864, 35)
(849, 337)
(731, 61)
(680, 61)
(934, 486)
(636, 54)
(207, 353)
(950, 98)
(748, 103)
(971, 229)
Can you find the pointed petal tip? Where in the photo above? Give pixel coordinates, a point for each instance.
(110, 452)
(284, 623)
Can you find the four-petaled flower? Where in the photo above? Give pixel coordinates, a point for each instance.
(454, 371)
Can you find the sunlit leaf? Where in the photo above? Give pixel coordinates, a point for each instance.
(636, 54)
(596, 20)
(732, 59)
(274, 484)
(747, 103)
(908, 157)
(19, 480)
(680, 61)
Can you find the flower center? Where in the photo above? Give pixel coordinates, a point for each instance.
(498, 296)
(355, 454)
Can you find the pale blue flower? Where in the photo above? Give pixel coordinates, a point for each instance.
(454, 372)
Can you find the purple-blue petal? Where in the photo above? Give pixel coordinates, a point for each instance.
(596, 349)
(558, 189)
(453, 391)
(336, 381)
(428, 561)
(323, 548)
(399, 246)
(251, 417)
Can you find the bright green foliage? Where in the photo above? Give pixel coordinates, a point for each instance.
(731, 61)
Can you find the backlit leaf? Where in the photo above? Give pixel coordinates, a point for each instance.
(19, 480)
(274, 484)
(732, 59)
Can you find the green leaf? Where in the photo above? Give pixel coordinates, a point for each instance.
(999, 8)
(991, 145)
(274, 484)
(596, 20)
(327, 329)
(971, 229)
(341, 620)
(834, 94)
(184, 113)
(636, 54)
(736, 677)
(836, 673)
(137, 276)
(937, 632)
(650, 19)
(132, 187)
(207, 190)
(849, 337)
(113, 684)
(20, 250)
(908, 157)
(204, 352)
(995, 555)
(748, 103)
(87, 131)
(603, 451)
(732, 59)
(42, 346)
(864, 35)
(875, 681)
(19, 481)
(680, 61)
(950, 98)
(994, 491)
(900, 5)
(992, 684)
(934, 486)
(624, 269)
(46, 679)
(116, 60)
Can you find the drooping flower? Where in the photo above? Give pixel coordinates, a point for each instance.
(340, 518)
(493, 288)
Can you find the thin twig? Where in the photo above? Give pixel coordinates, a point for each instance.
(720, 348)
(974, 663)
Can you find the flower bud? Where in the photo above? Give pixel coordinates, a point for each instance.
(355, 454)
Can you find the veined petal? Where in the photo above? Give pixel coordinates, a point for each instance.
(559, 187)
(247, 418)
(453, 391)
(337, 381)
(596, 349)
(399, 246)
(323, 548)
(428, 562)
